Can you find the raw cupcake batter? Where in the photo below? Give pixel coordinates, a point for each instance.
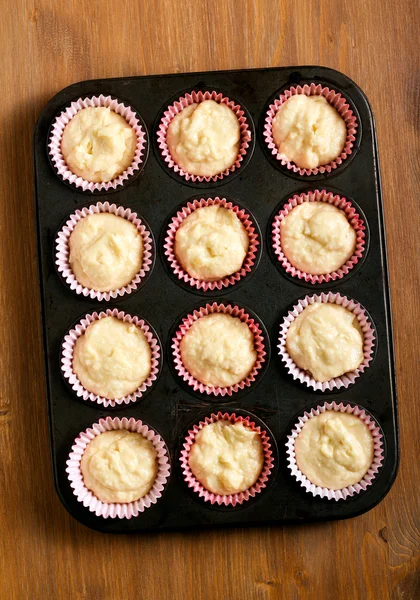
(308, 131)
(326, 340)
(211, 243)
(317, 238)
(112, 358)
(334, 450)
(119, 466)
(98, 144)
(203, 138)
(106, 252)
(218, 350)
(226, 458)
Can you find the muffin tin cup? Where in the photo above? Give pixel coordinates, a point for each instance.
(336, 100)
(56, 134)
(87, 497)
(260, 345)
(199, 284)
(62, 252)
(353, 218)
(67, 352)
(344, 381)
(231, 499)
(351, 490)
(197, 97)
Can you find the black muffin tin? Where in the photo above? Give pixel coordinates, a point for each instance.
(261, 185)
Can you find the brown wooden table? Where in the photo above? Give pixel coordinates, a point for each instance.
(44, 47)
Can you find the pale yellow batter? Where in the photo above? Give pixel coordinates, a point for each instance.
(211, 243)
(119, 466)
(308, 131)
(203, 138)
(317, 238)
(106, 252)
(334, 450)
(98, 144)
(326, 340)
(112, 358)
(218, 350)
(226, 458)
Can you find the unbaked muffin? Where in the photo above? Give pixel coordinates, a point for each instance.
(226, 458)
(211, 243)
(334, 450)
(203, 139)
(317, 238)
(218, 350)
(98, 144)
(326, 340)
(308, 131)
(112, 358)
(119, 466)
(106, 252)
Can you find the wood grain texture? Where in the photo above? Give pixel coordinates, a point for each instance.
(45, 46)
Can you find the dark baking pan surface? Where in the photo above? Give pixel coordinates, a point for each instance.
(277, 400)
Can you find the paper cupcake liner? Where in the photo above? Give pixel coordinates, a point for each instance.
(56, 135)
(116, 510)
(353, 218)
(259, 345)
(351, 490)
(178, 106)
(219, 284)
(337, 101)
(368, 342)
(62, 251)
(69, 343)
(231, 499)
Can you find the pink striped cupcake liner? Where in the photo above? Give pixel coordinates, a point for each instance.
(344, 381)
(351, 490)
(231, 499)
(259, 344)
(67, 351)
(86, 496)
(65, 117)
(337, 101)
(353, 218)
(193, 98)
(62, 251)
(176, 222)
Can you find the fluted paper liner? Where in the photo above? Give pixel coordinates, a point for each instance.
(57, 130)
(175, 224)
(194, 98)
(368, 342)
(88, 498)
(62, 251)
(231, 499)
(351, 490)
(337, 101)
(67, 351)
(353, 218)
(259, 345)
